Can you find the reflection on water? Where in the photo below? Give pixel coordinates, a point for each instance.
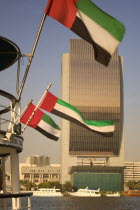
(74, 203)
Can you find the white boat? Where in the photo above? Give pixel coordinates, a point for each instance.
(117, 194)
(86, 193)
(48, 192)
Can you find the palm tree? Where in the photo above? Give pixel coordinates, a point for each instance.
(131, 184)
(67, 187)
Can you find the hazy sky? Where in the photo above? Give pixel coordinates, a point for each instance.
(19, 22)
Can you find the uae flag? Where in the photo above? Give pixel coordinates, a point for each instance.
(62, 109)
(89, 22)
(41, 122)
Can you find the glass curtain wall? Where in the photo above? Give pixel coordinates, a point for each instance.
(95, 90)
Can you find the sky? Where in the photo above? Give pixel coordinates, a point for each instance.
(19, 22)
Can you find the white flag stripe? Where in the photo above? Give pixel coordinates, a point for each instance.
(76, 116)
(102, 37)
(48, 128)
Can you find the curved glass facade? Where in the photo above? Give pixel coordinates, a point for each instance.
(96, 91)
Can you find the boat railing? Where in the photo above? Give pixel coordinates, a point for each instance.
(14, 110)
(16, 196)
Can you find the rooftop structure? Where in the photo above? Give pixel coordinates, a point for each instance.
(38, 160)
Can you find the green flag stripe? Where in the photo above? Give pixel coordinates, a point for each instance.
(49, 120)
(113, 26)
(69, 106)
(88, 122)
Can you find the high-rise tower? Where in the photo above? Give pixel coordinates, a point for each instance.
(97, 91)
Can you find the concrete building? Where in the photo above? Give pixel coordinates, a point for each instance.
(90, 162)
(37, 174)
(131, 168)
(38, 160)
(132, 171)
(38, 169)
(97, 91)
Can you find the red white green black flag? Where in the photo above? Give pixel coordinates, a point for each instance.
(65, 110)
(89, 22)
(41, 122)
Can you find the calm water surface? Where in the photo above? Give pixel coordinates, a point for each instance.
(73, 203)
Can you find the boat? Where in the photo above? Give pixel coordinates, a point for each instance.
(86, 193)
(47, 192)
(132, 193)
(117, 194)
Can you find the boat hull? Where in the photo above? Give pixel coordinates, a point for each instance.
(132, 193)
(86, 193)
(77, 195)
(46, 195)
(50, 192)
(112, 195)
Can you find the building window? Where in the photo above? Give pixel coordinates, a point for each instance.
(54, 175)
(45, 176)
(36, 175)
(26, 175)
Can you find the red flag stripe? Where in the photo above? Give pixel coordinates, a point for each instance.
(35, 119)
(63, 11)
(49, 102)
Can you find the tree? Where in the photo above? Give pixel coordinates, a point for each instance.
(67, 187)
(137, 185)
(131, 184)
(50, 184)
(56, 184)
(43, 185)
(28, 184)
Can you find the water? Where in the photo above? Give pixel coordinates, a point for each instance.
(75, 203)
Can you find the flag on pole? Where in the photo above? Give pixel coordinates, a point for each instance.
(41, 122)
(62, 109)
(89, 22)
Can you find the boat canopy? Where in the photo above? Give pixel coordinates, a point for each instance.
(9, 53)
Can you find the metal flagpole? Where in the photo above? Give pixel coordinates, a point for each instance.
(26, 107)
(31, 57)
(36, 107)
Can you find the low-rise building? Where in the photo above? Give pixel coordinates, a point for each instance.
(132, 171)
(37, 174)
(38, 169)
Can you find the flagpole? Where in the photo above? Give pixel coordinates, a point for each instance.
(36, 108)
(26, 107)
(31, 56)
